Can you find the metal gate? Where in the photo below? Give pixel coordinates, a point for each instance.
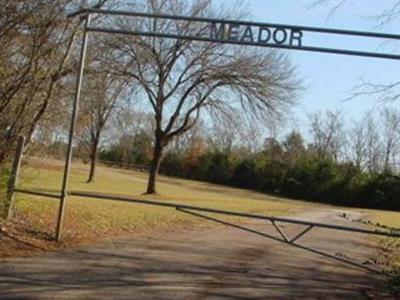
(280, 36)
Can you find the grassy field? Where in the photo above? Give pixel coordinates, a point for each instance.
(87, 220)
(384, 218)
(90, 219)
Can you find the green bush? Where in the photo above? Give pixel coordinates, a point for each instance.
(272, 176)
(381, 191)
(172, 165)
(244, 175)
(215, 167)
(287, 168)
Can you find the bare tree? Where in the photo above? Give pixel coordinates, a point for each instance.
(183, 80)
(236, 133)
(391, 136)
(388, 14)
(102, 89)
(100, 101)
(357, 141)
(224, 134)
(293, 145)
(188, 140)
(126, 126)
(383, 92)
(36, 41)
(327, 135)
(374, 145)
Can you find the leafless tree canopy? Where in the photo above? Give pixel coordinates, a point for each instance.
(179, 81)
(388, 14)
(36, 45)
(100, 100)
(183, 80)
(327, 135)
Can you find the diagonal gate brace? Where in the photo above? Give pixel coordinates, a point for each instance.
(285, 237)
(278, 229)
(285, 240)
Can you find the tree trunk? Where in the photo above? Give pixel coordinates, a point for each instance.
(2, 157)
(93, 159)
(155, 165)
(386, 168)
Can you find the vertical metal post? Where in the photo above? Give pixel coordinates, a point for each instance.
(13, 181)
(75, 108)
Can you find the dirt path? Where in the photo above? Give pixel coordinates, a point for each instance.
(223, 263)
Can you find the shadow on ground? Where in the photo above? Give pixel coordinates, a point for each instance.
(217, 264)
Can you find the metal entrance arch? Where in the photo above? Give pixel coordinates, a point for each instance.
(279, 36)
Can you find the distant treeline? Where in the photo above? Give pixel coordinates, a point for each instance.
(288, 168)
(308, 178)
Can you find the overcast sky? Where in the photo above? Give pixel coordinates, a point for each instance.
(330, 77)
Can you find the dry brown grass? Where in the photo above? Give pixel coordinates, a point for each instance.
(87, 219)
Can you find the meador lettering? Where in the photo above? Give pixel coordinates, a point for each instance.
(255, 34)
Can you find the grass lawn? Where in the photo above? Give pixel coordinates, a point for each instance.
(87, 218)
(382, 217)
(90, 219)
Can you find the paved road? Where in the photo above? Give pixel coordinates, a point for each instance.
(223, 263)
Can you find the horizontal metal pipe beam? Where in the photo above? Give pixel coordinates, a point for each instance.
(226, 212)
(204, 209)
(245, 43)
(38, 193)
(237, 22)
